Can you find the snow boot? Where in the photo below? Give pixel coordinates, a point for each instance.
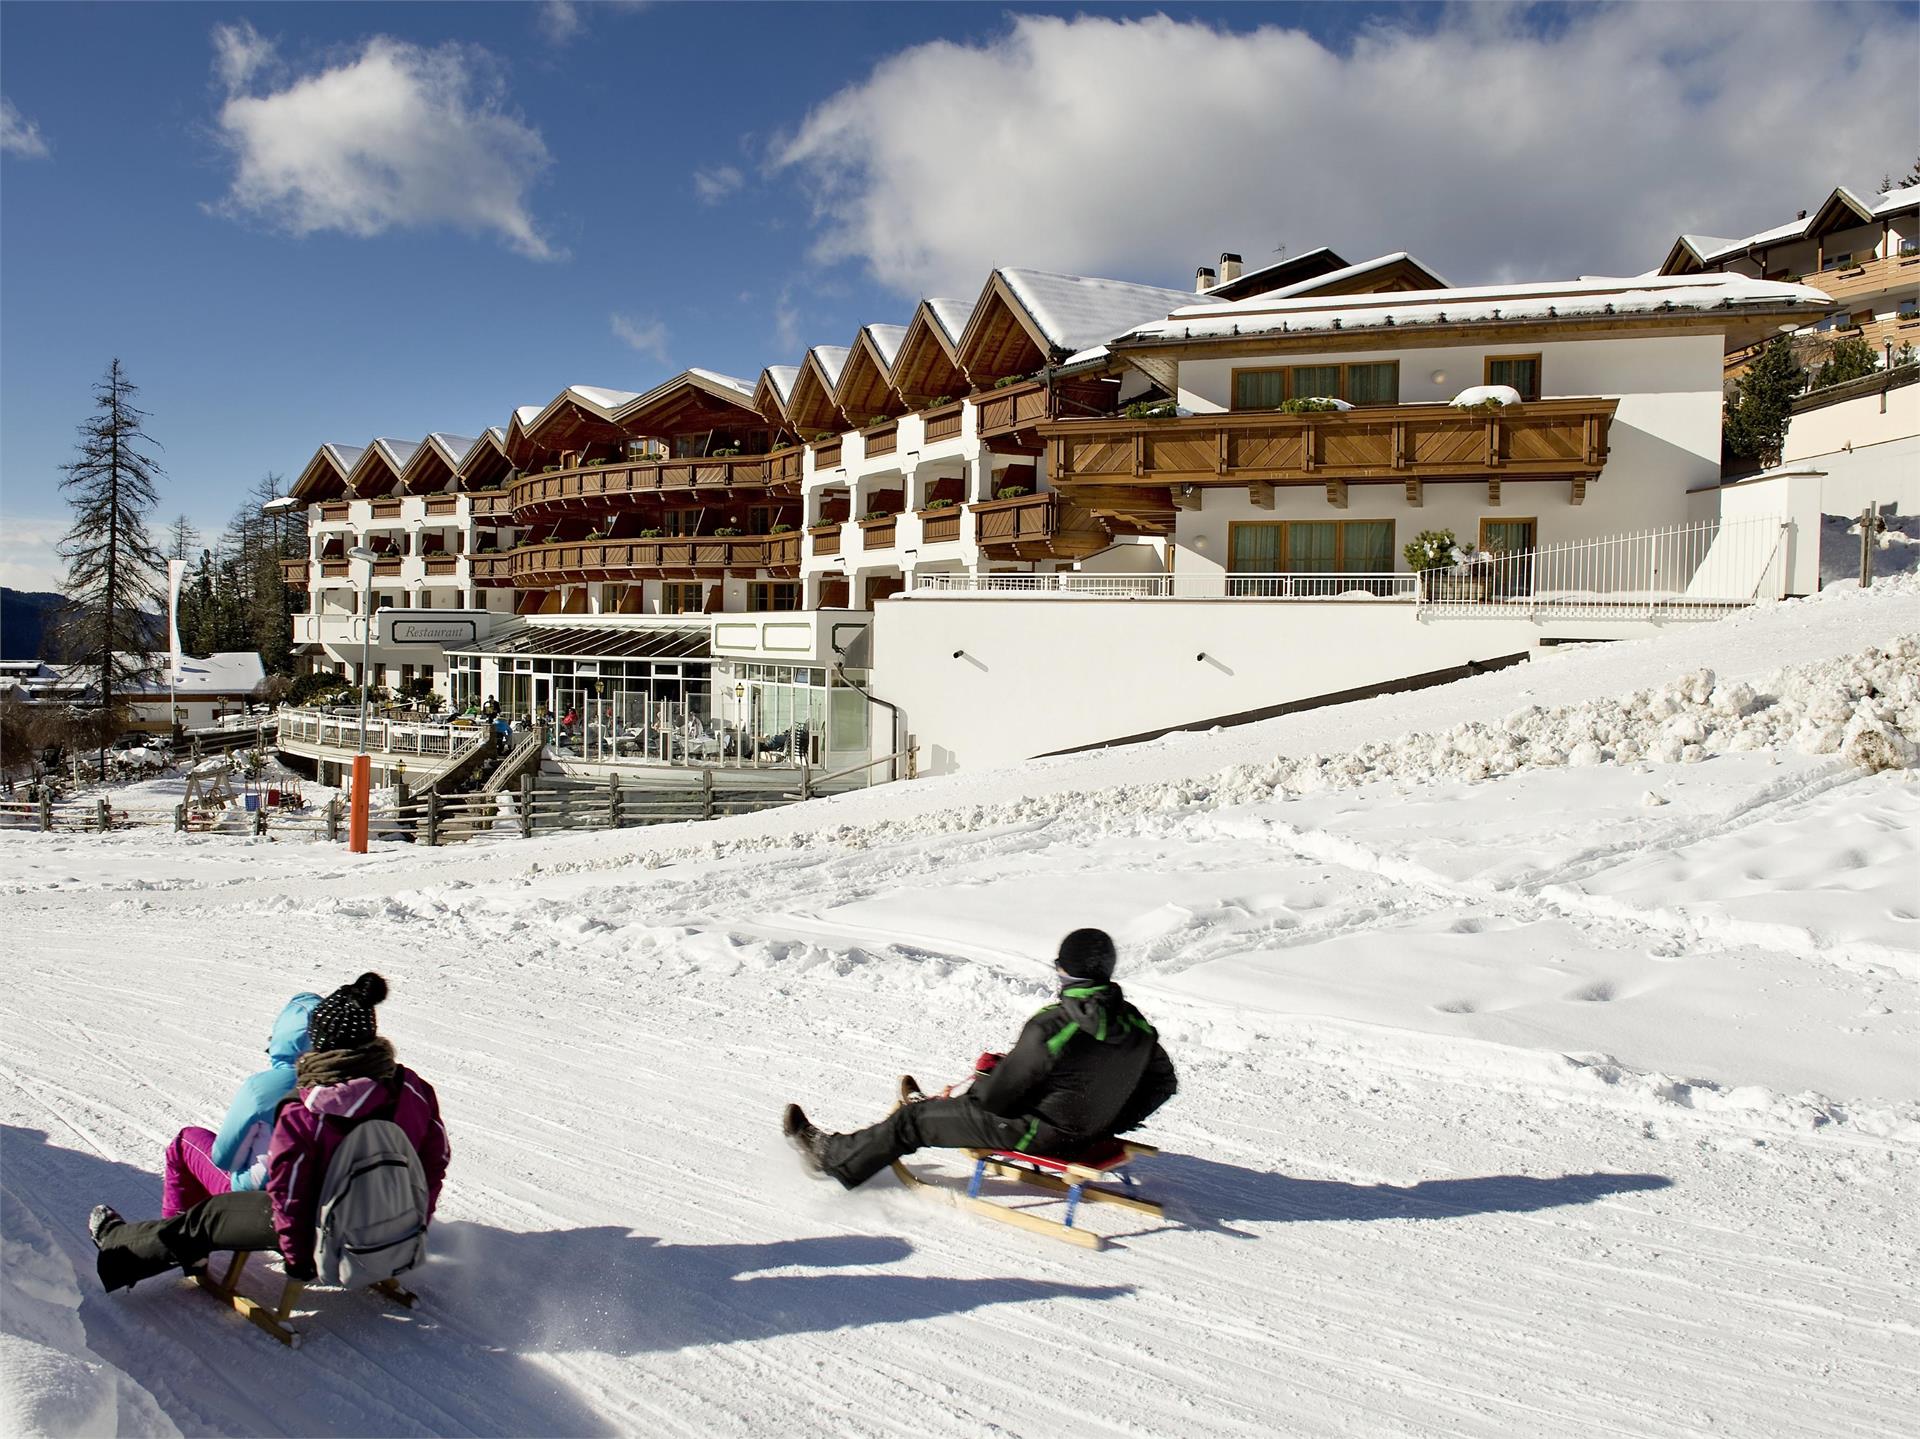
(803, 1137)
(103, 1218)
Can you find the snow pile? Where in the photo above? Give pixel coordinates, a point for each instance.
(1864, 708)
(50, 1382)
(1476, 395)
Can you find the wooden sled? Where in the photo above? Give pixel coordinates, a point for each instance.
(274, 1319)
(1078, 1178)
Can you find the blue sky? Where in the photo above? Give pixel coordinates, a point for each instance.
(607, 194)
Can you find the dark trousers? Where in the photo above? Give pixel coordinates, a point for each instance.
(855, 1158)
(132, 1252)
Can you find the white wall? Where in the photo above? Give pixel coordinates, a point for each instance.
(1045, 673)
(1665, 441)
(1854, 424)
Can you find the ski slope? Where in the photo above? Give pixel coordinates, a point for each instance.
(1525, 1090)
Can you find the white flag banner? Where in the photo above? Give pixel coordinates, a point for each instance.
(176, 571)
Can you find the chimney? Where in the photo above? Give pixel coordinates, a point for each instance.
(1202, 280)
(1230, 266)
(1801, 216)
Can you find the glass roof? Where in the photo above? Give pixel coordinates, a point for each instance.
(607, 642)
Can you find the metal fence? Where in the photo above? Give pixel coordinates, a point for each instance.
(1276, 585)
(1696, 571)
(385, 736)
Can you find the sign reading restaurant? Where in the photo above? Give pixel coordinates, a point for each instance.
(440, 629)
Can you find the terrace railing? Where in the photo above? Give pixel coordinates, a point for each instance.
(1294, 585)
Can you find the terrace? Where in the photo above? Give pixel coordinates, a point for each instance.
(602, 484)
(548, 566)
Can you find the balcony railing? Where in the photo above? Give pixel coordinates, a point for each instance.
(333, 511)
(443, 504)
(826, 454)
(385, 509)
(878, 534)
(442, 564)
(336, 570)
(595, 486)
(1298, 585)
(1010, 409)
(1870, 277)
(493, 569)
(943, 423)
(579, 562)
(938, 526)
(826, 538)
(328, 731)
(1015, 521)
(883, 439)
(491, 504)
(294, 572)
(1543, 439)
(387, 569)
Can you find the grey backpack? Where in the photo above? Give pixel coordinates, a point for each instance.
(372, 1223)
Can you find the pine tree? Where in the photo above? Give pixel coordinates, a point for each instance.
(112, 565)
(257, 606)
(1846, 359)
(1762, 403)
(183, 540)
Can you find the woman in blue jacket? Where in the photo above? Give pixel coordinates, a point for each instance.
(201, 1163)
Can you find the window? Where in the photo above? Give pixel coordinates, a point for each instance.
(1259, 389)
(1377, 384)
(1520, 371)
(680, 522)
(1908, 309)
(682, 599)
(759, 519)
(1315, 382)
(773, 595)
(1310, 546)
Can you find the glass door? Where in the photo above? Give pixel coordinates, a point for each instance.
(1511, 543)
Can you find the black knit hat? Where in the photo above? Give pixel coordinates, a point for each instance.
(344, 1019)
(1086, 954)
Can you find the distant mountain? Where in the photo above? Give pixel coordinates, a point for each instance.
(24, 615)
(26, 618)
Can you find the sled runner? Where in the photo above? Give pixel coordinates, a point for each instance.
(274, 1319)
(1079, 1177)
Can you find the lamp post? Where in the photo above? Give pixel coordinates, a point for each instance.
(362, 765)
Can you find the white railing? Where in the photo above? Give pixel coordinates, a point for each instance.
(384, 736)
(1696, 571)
(1294, 585)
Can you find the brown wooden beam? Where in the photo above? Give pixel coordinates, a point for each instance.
(1416, 494)
(1185, 497)
(1579, 495)
(1493, 491)
(1337, 494)
(1260, 494)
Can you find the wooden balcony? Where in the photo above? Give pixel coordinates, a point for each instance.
(443, 504)
(443, 564)
(385, 509)
(1892, 274)
(598, 487)
(825, 538)
(882, 439)
(334, 511)
(939, 526)
(387, 569)
(336, 569)
(879, 534)
(493, 569)
(1896, 330)
(491, 504)
(1038, 527)
(294, 572)
(1005, 413)
(943, 423)
(1544, 439)
(697, 557)
(826, 454)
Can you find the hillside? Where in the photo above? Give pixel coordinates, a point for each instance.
(1545, 1045)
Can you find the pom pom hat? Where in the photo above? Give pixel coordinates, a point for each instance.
(344, 1019)
(1086, 954)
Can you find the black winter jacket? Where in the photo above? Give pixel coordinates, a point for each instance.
(1084, 1068)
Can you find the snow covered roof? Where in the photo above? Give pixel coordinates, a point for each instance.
(739, 386)
(831, 359)
(1482, 304)
(781, 378)
(1843, 206)
(396, 452)
(1334, 278)
(951, 316)
(235, 672)
(453, 448)
(1076, 311)
(345, 456)
(886, 340)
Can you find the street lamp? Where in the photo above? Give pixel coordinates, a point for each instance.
(366, 557)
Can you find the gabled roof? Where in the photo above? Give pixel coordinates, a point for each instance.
(380, 467)
(486, 461)
(691, 400)
(770, 396)
(811, 406)
(435, 462)
(1841, 210)
(1280, 273)
(865, 386)
(1741, 299)
(325, 475)
(1026, 318)
(925, 366)
(579, 415)
(1381, 275)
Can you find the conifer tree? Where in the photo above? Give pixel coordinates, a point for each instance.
(1762, 403)
(1847, 359)
(112, 565)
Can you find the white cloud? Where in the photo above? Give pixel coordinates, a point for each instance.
(714, 185)
(649, 337)
(19, 135)
(560, 21)
(1489, 148)
(29, 553)
(786, 323)
(400, 137)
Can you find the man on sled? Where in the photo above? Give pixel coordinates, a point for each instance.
(1084, 1069)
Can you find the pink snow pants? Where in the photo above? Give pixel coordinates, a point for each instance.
(191, 1174)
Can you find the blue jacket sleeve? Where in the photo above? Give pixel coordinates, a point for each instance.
(252, 1104)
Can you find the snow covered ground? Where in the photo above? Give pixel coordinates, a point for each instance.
(1547, 1046)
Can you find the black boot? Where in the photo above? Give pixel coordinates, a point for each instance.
(802, 1136)
(103, 1218)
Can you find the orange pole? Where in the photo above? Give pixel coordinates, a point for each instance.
(357, 813)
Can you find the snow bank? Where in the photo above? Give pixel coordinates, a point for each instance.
(51, 1383)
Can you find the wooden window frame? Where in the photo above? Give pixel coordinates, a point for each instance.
(673, 515)
(677, 591)
(1339, 542)
(1486, 520)
(762, 590)
(1286, 380)
(1539, 372)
